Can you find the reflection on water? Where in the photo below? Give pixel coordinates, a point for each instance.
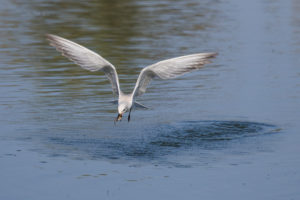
(160, 141)
(220, 120)
(47, 98)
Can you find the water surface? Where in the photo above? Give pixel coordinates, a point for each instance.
(229, 130)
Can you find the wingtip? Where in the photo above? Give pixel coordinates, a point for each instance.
(49, 37)
(212, 55)
(52, 37)
(207, 55)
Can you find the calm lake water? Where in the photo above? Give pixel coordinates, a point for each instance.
(227, 131)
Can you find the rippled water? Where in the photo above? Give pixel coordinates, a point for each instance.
(235, 121)
(160, 141)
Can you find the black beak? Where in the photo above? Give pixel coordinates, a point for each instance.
(118, 118)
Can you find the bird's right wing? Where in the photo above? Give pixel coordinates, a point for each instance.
(171, 68)
(85, 58)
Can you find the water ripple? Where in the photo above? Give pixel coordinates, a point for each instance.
(157, 143)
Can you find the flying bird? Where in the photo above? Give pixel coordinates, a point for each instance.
(166, 69)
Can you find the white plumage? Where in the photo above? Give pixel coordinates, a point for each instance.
(166, 69)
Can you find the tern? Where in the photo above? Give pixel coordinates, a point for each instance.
(166, 69)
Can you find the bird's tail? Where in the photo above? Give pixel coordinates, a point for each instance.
(138, 105)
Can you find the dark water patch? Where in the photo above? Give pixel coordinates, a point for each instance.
(158, 144)
(191, 132)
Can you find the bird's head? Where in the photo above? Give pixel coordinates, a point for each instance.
(122, 108)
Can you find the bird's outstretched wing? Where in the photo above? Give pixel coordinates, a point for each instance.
(86, 58)
(171, 68)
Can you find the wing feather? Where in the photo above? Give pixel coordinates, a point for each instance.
(171, 68)
(85, 58)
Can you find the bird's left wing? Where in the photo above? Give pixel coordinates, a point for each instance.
(86, 58)
(171, 68)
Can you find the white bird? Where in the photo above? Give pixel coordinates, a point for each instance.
(166, 69)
